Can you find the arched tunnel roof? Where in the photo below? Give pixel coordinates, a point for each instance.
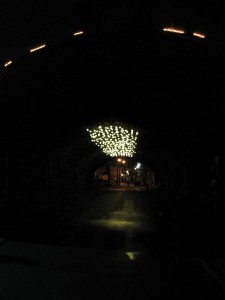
(168, 86)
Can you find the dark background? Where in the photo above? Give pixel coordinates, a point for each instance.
(186, 119)
(27, 23)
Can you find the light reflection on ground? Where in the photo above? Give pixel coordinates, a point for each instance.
(127, 219)
(133, 254)
(124, 219)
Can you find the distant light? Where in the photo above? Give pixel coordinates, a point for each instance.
(170, 29)
(8, 63)
(38, 48)
(78, 33)
(200, 35)
(138, 166)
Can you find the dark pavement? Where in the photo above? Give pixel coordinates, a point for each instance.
(118, 244)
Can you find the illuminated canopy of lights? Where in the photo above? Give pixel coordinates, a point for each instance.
(115, 140)
(170, 29)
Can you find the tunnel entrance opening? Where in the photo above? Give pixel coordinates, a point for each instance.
(181, 129)
(124, 173)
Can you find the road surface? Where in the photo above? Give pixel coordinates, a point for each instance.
(116, 245)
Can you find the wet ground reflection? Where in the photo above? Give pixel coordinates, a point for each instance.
(130, 220)
(127, 218)
(133, 254)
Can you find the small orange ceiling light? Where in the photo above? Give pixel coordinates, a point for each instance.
(37, 48)
(175, 30)
(78, 33)
(199, 35)
(8, 63)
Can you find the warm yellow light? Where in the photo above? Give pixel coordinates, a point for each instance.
(115, 140)
(200, 35)
(170, 29)
(119, 159)
(38, 48)
(8, 63)
(132, 254)
(78, 33)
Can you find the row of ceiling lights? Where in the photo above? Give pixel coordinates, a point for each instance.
(9, 62)
(168, 29)
(180, 31)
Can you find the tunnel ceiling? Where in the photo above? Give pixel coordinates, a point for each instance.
(171, 87)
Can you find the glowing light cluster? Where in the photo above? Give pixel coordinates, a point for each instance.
(115, 140)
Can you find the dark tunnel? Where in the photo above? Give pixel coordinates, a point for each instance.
(168, 87)
(112, 156)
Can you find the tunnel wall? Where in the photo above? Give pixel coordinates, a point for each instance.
(61, 178)
(66, 174)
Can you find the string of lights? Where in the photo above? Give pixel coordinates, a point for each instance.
(81, 32)
(115, 140)
(9, 62)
